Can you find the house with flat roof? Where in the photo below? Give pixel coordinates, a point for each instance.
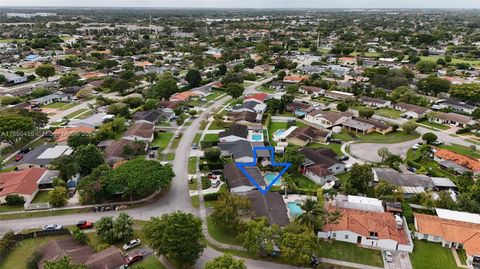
(457, 106)
(338, 95)
(410, 183)
(43, 155)
(93, 121)
(236, 180)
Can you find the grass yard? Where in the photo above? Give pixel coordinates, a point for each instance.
(76, 113)
(196, 203)
(170, 156)
(462, 150)
(18, 257)
(434, 58)
(350, 252)
(151, 262)
(61, 106)
(332, 146)
(41, 197)
(192, 165)
(211, 137)
(9, 208)
(343, 177)
(216, 126)
(162, 139)
(214, 95)
(303, 182)
(274, 126)
(393, 137)
(434, 125)
(197, 138)
(344, 136)
(164, 123)
(220, 235)
(388, 113)
(428, 255)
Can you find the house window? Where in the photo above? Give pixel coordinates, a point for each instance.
(334, 235)
(435, 238)
(373, 234)
(346, 236)
(425, 236)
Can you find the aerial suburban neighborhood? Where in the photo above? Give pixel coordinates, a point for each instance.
(232, 138)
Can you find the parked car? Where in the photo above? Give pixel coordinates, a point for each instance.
(216, 184)
(314, 261)
(344, 158)
(388, 256)
(194, 146)
(416, 146)
(131, 244)
(211, 176)
(133, 258)
(52, 227)
(25, 150)
(18, 157)
(437, 143)
(71, 193)
(85, 224)
(217, 172)
(412, 169)
(336, 141)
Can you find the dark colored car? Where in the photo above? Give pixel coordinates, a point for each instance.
(336, 141)
(133, 258)
(412, 169)
(344, 158)
(217, 172)
(84, 224)
(25, 150)
(212, 176)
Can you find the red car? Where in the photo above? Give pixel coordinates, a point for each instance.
(212, 176)
(19, 157)
(85, 224)
(133, 258)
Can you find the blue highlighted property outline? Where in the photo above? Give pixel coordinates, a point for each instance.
(254, 163)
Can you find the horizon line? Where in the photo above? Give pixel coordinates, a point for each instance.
(248, 8)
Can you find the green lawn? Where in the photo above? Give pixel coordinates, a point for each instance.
(393, 137)
(170, 156)
(303, 182)
(344, 136)
(164, 123)
(350, 252)
(151, 262)
(214, 95)
(211, 137)
(41, 197)
(388, 113)
(196, 203)
(18, 257)
(427, 255)
(197, 138)
(343, 177)
(61, 106)
(434, 125)
(216, 126)
(10, 40)
(274, 126)
(220, 235)
(462, 150)
(6, 170)
(192, 165)
(76, 113)
(162, 139)
(9, 208)
(333, 146)
(434, 58)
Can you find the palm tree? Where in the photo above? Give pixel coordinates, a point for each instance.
(312, 214)
(288, 183)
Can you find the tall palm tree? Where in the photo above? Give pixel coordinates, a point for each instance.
(288, 183)
(312, 214)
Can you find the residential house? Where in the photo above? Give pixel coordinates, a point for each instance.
(410, 183)
(451, 119)
(458, 162)
(370, 229)
(293, 79)
(140, 131)
(303, 136)
(338, 70)
(251, 106)
(338, 95)
(321, 165)
(258, 97)
(240, 150)
(375, 102)
(48, 99)
(150, 116)
(327, 119)
(234, 133)
(413, 111)
(311, 90)
(271, 206)
(299, 107)
(43, 155)
(236, 180)
(453, 229)
(93, 121)
(13, 79)
(456, 106)
(62, 134)
(113, 150)
(366, 126)
(109, 258)
(22, 183)
(277, 85)
(310, 70)
(244, 118)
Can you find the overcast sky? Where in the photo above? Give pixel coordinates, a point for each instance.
(252, 3)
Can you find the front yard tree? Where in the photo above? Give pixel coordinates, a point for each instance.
(225, 262)
(58, 196)
(293, 156)
(228, 211)
(63, 263)
(360, 177)
(366, 112)
(194, 78)
(123, 227)
(409, 127)
(312, 214)
(14, 199)
(259, 237)
(177, 236)
(342, 106)
(88, 157)
(235, 90)
(45, 71)
(212, 154)
(14, 127)
(298, 248)
(105, 231)
(79, 236)
(384, 153)
(78, 139)
(164, 88)
(429, 138)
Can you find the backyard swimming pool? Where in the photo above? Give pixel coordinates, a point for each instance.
(295, 209)
(279, 132)
(269, 177)
(257, 137)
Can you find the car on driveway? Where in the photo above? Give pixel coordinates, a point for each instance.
(388, 256)
(416, 146)
(412, 169)
(18, 157)
(437, 143)
(85, 224)
(336, 141)
(344, 158)
(216, 184)
(25, 150)
(211, 176)
(52, 227)
(133, 258)
(131, 244)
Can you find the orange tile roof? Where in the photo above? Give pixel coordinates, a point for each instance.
(293, 78)
(183, 96)
(465, 161)
(142, 64)
(463, 232)
(259, 97)
(62, 134)
(364, 222)
(92, 75)
(20, 182)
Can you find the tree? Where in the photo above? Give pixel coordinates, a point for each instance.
(225, 262)
(235, 90)
(384, 153)
(128, 152)
(409, 127)
(281, 74)
(342, 106)
(292, 155)
(139, 177)
(150, 104)
(45, 71)
(123, 227)
(259, 237)
(222, 69)
(385, 190)
(58, 196)
(105, 231)
(360, 177)
(88, 157)
(192, 112)
(193, 77)
(177, 236)
(366, 112)
(433, 85)
(312, 214)
(429, 138)
(426, 66)
(212, 154)
(14, 199)
(2, 79)
(79, 139)
(164, 88)
(393, 161)
(63, 263)
(298, 248)
(228, 211)
(14, 127)
(79, 236)
(445, 200)
(273, 105)
(476, 114)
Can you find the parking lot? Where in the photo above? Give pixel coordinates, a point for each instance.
(401, 260)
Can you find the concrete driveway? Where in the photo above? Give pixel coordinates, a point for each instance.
(401, 260)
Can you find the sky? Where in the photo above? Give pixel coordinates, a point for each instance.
(252, 3)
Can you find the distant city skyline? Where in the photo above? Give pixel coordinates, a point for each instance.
(249, 3)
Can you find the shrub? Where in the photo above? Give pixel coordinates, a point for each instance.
(33, 260)
(14, 199)
(463, 130)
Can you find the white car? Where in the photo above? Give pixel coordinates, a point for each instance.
(415, 147)
(131, 244)
(52, 227)
(388, 256)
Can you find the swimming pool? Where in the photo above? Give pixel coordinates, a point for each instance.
(279, 132)
(295, 209)
(300, 113)
(269, 177)
(257, 137)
